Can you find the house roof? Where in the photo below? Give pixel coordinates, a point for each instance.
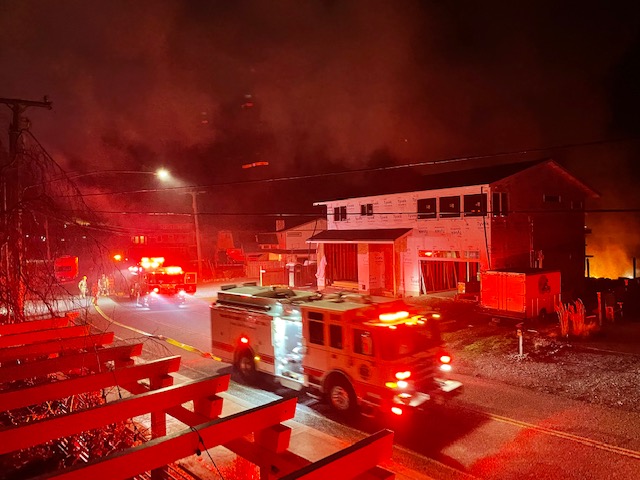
(485, 176)
(476, 176)
(383, 235)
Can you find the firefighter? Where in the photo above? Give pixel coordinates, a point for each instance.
(103, 286)
(83, 287)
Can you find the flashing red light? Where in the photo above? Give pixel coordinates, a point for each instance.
(445, 358)
(244, 340)
(397, 410)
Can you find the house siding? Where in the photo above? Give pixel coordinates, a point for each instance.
(533, 233)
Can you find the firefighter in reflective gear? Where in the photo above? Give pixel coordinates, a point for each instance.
(83, 287)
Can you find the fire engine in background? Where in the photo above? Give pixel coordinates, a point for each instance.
(356, 353)
(66, 268)
(155, 284)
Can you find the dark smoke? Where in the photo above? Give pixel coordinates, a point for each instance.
(204, 87)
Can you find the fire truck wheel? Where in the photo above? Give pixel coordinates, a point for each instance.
(341, 396)
(246, 367)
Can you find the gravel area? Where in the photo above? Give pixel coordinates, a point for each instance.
(603, 368)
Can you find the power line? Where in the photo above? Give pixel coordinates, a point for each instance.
(358, 214)
(366, 169)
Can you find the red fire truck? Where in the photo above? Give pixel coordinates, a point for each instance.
(66, 268)
(375, 356)
(155, 285)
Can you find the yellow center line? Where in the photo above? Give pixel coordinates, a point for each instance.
(567, 436)
(172, 341)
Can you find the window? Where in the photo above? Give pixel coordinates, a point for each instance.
(362, 342)
(335, 336)
(366, 209)
(339, 213)
(475, 205)
(315, 316)
(551, 198)
(449, 207)
(426, 208)
(500, 204)
(316, 333)
(577, 205)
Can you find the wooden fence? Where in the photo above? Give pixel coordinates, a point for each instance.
(69, 360)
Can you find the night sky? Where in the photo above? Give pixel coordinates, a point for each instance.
(203, 87)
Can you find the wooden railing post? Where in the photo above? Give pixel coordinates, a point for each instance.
(159, 420)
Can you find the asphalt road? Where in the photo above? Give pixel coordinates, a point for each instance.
(493, 430)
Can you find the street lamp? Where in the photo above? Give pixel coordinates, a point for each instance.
(162, 173)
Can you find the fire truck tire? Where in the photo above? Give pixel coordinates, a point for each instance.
(340, 395)
(246, 367)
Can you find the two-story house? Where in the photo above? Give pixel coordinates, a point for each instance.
(286, 246)
(521, 215)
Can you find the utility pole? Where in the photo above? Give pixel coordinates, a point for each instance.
(14, 249)
(17, 108)
(196, 221)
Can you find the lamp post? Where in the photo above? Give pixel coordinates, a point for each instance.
(164, 175)
(161, 174)
(194, 207)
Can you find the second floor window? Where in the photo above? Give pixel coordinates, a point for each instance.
(449, 207)
(475, 205)
(426, 208)
(339, 213)
(366, 209)
(500, 204)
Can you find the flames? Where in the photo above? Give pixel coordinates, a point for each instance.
(613, 245)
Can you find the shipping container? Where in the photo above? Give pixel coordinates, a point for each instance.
(524, 294)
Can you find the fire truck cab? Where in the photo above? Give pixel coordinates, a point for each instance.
(156, 285)
(357, 353)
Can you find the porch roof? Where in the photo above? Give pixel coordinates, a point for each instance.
(382, 235)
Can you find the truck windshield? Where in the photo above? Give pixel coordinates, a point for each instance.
(408, 340)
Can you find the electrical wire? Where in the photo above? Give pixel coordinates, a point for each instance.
(198, 452)
(449, 160)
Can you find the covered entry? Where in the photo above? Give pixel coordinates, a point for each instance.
(366, 260)
(342, 262)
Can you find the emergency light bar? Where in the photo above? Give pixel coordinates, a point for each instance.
(153, 262)
(173, 270)
(393, 317)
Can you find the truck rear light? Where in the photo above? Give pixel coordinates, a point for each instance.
(244, 340)
(445, 367)
(403, 375)
(397, 410)
(402, 384)
(445, 358)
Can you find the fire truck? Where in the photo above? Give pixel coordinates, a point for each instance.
(66, 268)
(154, 284)
(361, 354)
